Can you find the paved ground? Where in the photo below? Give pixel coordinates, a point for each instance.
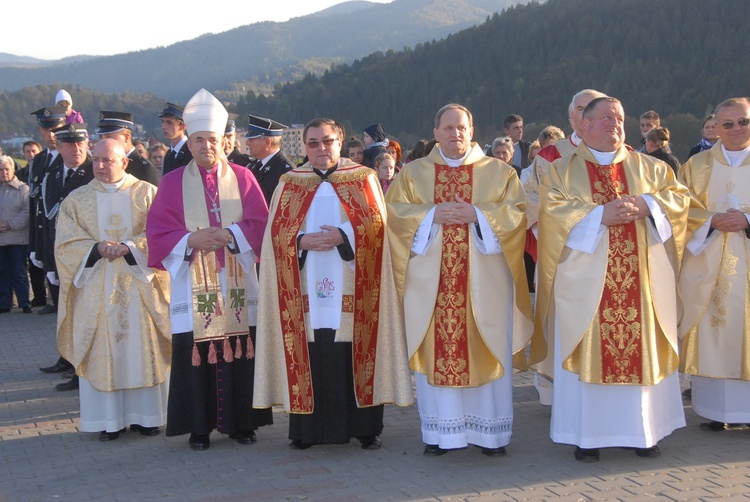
(44, 457)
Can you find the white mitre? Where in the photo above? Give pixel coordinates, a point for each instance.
(205, 113)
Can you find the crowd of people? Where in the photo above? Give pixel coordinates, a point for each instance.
(196, 286)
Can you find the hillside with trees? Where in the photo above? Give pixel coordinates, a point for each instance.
(679, 57)
(257, 56)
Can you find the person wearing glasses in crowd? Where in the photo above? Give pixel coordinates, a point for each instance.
(715, 270)
(331, 343)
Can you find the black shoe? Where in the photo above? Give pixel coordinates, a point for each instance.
(370, 442)
(494, 452)
(60, 366)
(110, 436)
(652, 452)
(4, 311)
(26, 310)
(69, 373)
(433, 450)
(199, 442)
(71, 384)
(586, 454)
(145, 431)
(713, 426)
(299, 445)
(687, 393)
(48, 309)
(244, 437)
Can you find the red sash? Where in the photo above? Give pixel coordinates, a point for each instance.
(620, 307)
(451, 308)
(361, 207)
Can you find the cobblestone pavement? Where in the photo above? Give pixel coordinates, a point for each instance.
(46, 458)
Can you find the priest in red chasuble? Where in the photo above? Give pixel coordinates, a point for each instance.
(205, 228)
(457, 228)
(714, 330)
(331, 342)
(611, 233)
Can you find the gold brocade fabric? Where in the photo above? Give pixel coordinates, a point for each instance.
(497, 288)
(114, 304)
(539, 168)
(715, 284)
(215, 317)
(570, 283)
(391, 379)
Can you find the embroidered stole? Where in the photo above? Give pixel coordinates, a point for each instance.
(361, 207)
(453, 311)
(215, 318)
(620, 321)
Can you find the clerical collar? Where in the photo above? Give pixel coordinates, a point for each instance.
(454, 162)
(575, 138)
(735, 158)
(603, 158)
(325, 174)
(113, 187)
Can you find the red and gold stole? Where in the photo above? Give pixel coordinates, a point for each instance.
(452, 308)
(620, 306)
(361, 207)
(214, 318)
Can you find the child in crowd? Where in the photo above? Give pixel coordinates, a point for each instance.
(63, 99)
(385, 164)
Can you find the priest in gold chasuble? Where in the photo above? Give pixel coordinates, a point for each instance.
(205, 228)
(457, 229)
(330, 337)
(611, 233)
(113, 317)
(715, 274)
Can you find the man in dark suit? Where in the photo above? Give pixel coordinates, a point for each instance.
(234, 155)
(174, 133)
(513, 127)
(75, 171)
(47, 119)
(264, 141)
(119, 126)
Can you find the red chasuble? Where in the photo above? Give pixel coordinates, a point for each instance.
(620, 306)
(361, 207)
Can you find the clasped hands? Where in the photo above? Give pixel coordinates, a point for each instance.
(459, 212)
(328, 238)
(731, 221)
(112, 250)
(209, 239)
(624, 210)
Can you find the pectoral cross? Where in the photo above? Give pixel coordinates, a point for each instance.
(216, 210)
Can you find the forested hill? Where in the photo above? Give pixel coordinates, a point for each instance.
(673, 56)
(258, 55)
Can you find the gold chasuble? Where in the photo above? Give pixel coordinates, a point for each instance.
(460, 305)
(616, 309)
(111, 315)
(215, 318)
(715, 283)
(370, 317)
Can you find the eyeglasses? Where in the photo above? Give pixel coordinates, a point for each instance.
(743, 122)
(315, 144)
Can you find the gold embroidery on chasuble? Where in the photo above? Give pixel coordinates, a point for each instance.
(290, 213)
(452, 307)
(620, 324)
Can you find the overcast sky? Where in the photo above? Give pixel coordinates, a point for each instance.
(88, 26)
